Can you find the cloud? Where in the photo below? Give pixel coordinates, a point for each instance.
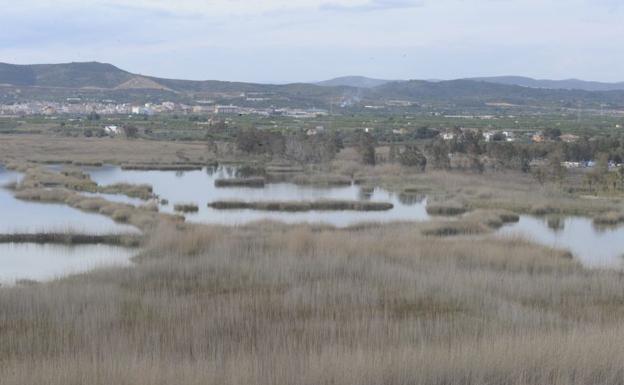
(314, 39)
(373, 5)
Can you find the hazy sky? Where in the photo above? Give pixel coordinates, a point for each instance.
(305, 40)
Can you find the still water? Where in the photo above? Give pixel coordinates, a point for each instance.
(18, 216)
(594, 247)
(198, 187)
(46, 262)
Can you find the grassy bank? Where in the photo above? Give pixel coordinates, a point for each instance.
(303, 206)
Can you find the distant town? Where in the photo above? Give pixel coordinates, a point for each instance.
(74, 106)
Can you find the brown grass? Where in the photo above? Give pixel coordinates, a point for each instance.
(141, 191)
(278, 304)
(270, 303)
(446, 209)
(50, 149)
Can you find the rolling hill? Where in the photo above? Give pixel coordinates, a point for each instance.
(98, 81)
(568, 84)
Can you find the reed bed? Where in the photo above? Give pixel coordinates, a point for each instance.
(280, 169)
(320, 180)
(163, 167)
(611, 218)
(302, 205)
(141, 191)
(186, 207)
(446, 209)
(240, 182)
(142, 217)
(284, 304)
(270, 303)
(73, 239)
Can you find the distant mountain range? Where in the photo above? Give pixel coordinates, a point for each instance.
(100, 81)
(568, 84)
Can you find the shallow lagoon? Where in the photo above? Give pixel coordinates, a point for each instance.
(594, 247)
(198, 187)
(18, 216)
(45, 262)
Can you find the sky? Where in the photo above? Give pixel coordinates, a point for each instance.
(308, 40)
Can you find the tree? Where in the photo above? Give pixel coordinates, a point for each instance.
(131, 131)
(552, 133)
(523, 160)
(425, 133)
(439, 155)
(392, 153)
(366, 148)
(411, 156)
(368, 154)
(601, 169)
(557, 171)
(93, 116)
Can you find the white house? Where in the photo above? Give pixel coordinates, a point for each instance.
(448, 135)
(111, 130)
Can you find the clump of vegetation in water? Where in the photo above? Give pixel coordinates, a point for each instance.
(446, 209)
(240, 182)
(141, 191)
(186, 207)
(611, 218)
(303, 206)
(72, 239)
(162, 167)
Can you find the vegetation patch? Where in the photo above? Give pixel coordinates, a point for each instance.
(141, 191)
(446, 209)
(240, 182)
(163, 167)
(611, 218)
(492, 218)
(186, 207)
(303, 205)
(544, 209)
(72, 239)
(449, 229)
(280, 169)
(321, 180)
